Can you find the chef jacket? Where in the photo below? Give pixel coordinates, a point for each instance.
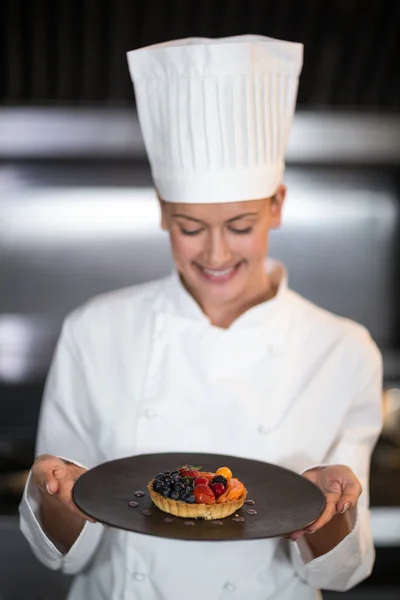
(143, 370)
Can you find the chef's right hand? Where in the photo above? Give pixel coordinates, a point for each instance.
(56, 478)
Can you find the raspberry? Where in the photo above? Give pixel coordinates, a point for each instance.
(218, 489)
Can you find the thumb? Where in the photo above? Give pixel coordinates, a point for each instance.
(346, 502)
(53, 475)
(51, 484)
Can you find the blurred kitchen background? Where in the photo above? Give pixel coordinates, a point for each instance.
(78, 215)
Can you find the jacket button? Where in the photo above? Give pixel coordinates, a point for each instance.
(150, 413)
(139, 576)
(230, 587)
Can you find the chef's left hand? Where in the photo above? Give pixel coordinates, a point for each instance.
(341, 489)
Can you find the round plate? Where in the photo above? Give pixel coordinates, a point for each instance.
(285, 502)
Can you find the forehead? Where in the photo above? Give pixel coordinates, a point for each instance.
(216, 212)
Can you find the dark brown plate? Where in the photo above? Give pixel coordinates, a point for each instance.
(285, 502)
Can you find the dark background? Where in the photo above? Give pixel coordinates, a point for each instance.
(72, 52)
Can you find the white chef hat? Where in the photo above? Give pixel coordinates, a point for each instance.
(216, 115)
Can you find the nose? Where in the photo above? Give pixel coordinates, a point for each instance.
(217, 253)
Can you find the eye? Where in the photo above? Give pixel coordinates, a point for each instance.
(242, 231)
(191, 232)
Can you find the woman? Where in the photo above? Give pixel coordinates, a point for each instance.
(220, 357)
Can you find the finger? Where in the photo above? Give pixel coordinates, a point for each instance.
(346, 502)
(46, 481)
(297, 535)
(46, 471)
(65, 496)
(327, 515)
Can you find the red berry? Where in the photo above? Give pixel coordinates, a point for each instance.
(218, 489)
(201, 481)
(203, 494)
(185, 472)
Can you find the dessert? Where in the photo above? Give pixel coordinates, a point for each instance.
(189, 493)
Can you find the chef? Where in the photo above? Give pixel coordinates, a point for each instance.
(220, 357)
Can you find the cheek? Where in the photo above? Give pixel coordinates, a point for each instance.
(184, 249)
(254, 248)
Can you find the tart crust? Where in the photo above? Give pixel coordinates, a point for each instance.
(196, 511)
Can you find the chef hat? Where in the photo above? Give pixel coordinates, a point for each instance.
(216, 115)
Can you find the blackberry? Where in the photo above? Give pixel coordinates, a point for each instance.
(219, 479)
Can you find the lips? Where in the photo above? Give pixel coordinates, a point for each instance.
(219, 275)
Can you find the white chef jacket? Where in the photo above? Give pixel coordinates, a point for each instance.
(142, 370)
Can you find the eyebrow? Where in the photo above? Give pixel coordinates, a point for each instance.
(180, 216)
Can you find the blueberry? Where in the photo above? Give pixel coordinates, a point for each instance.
(174, 495)
(160, 476)
(158, 485)
(190, 499)
(165, 491)
(178, 487)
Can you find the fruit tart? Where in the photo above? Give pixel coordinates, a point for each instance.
(191, 493)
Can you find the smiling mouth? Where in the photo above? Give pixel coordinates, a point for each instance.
(219, 275)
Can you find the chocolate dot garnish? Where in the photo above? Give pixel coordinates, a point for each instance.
(238, 519)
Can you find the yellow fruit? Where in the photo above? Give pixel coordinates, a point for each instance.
(225, 472)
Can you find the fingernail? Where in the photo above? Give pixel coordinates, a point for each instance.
(345, 507)
(48, 489)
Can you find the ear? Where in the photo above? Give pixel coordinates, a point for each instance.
(277, 205)
(163, 208)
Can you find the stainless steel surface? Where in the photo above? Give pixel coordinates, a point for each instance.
(68, 233)
(316, 137)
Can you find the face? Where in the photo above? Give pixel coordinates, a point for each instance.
(220, 249)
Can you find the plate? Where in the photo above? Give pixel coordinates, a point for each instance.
(284, 501)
